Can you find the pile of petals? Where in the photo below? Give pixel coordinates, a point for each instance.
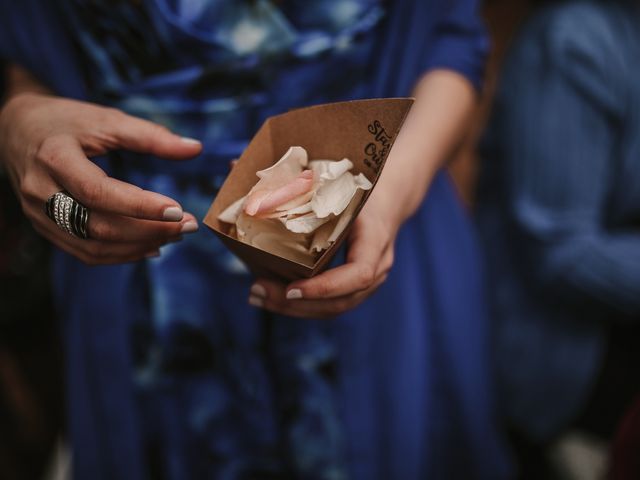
(299, 207)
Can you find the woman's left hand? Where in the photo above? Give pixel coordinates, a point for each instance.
(369, 259)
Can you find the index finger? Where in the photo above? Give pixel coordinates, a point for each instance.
(143, 136)
(91, 186)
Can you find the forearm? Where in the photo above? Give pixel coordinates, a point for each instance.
(434, 128)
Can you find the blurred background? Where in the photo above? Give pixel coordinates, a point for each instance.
(31, 381)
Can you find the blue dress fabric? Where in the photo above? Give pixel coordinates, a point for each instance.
(559, 208)
(171, 374)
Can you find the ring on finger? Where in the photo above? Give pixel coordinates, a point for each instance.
(68, 214)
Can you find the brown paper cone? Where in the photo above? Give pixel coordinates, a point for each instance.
(362, 131)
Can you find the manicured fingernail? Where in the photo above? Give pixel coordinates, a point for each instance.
(294, 294)
(153, 254)
(191, 141)
(173, 214)
(256, 301)
(258, 290)
(189, 227)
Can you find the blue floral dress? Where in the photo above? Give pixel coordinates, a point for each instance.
(172, 375)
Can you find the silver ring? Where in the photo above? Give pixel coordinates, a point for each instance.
(68, 214)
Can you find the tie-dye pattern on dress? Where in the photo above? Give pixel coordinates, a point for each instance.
(224, 391)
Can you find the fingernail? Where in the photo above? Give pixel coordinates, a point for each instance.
(294, 294)
(256, 301)
(153, 254)
(258, 290)
(189, 227)
(191, 141)
(173, 214)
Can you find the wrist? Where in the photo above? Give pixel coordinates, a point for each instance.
(393, 208)
(398, 194)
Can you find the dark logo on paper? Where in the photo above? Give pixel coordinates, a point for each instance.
(377, 150)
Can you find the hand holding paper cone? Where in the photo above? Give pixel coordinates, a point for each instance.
(369, 259)
(285, 210)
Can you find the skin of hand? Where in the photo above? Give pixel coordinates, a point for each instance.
(434, 128)
(45, 147)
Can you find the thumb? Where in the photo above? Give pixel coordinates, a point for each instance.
(142, 136)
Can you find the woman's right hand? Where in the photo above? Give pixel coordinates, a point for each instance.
(45, 145)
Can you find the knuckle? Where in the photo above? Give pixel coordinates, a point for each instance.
(29, 189)
(322, 288)
(50, 150)
(90, 193)
(366, 275)
(101, 231)
(139, 207)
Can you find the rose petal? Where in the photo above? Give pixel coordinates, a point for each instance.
(297, 202)
(266, 201)
(320, 241)
(330, 169)
(345, 218)
(301, 210)
(289, 166)
(277, 245)
(305, 223)
(334, 195)
(232, 212)
(362, 182)
(271, 236)
(281, 173)
(327, 234)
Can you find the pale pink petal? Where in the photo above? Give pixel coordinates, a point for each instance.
(232, 212)
(301, 210)
(305, 223)
(290, 165)
(280, 245)
(347, 215)
(298, 201)
(321, 236)
(266, 201)
(271, 236)
(330, 169)
(327, 234)
(334, 195)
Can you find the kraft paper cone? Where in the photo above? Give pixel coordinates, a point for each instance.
(362, 131)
